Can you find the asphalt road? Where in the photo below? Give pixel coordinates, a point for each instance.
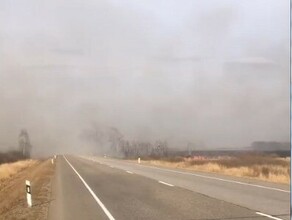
(98, 188)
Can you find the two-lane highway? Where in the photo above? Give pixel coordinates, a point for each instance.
(96, 188)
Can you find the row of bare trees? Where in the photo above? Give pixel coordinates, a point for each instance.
(111, 141)
(132, 149)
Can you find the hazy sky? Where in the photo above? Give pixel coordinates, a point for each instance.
(205, 71)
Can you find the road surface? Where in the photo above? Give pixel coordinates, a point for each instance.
(102, 188)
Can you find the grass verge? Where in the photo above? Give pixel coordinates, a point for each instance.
(7, 170)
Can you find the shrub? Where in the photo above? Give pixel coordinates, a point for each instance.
(265, 171)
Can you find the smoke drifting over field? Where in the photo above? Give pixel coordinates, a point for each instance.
(208, 72)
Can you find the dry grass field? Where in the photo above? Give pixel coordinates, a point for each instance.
(9, 169)
(263, 167)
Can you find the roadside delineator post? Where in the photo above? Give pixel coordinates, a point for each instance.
(28, 193)
(139, 160)
(52, 160)
(55, 157)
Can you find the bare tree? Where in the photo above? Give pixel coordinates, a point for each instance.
(160, 149)
(114, 137)
(24, 143)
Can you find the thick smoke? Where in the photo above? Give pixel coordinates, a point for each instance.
(209, 72)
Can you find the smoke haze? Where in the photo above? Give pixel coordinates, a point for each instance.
(208, 72)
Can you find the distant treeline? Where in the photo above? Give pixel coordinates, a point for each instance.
(10, 156)
(270, 146)
(158, 149)
(132, 149)
(217, 153)
(111, 141)
(117, 145)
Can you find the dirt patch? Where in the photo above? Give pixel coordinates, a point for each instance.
(13, 197)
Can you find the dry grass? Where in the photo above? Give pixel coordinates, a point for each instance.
(9, 169)
(258, 167)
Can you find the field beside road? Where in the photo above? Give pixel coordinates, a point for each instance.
(7, 170)
(12, 189)
(263, 167)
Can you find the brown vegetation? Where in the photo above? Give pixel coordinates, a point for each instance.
(9, 169)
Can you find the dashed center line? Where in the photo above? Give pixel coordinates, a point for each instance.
(129, 172)
(168, 184)
(268, 216)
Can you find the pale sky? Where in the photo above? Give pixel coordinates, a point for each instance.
(206, 71)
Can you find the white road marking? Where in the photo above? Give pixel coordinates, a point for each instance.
(129, 172)
(165, 183)
(219, 179)
(268, 216)
(109, 215)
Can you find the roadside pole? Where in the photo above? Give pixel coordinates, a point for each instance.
(28, 193)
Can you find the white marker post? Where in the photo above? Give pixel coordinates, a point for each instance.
(28, 193)
(55, 156)
(139, 160)
(52, 160)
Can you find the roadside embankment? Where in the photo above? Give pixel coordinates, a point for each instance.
(13, 203)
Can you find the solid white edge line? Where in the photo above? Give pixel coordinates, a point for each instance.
(109, 215)
(215, 178)
(165, 183)
(268, 216)
(129, 172)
